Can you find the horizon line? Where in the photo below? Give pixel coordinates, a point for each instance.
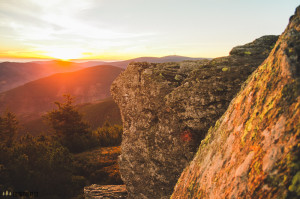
(27, 60)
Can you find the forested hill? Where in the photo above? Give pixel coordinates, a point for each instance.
(86, 85)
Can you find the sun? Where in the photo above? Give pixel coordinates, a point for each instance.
(65, 54)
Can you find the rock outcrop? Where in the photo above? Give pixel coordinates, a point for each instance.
(105, 192)
(168, 108)
(253, 151)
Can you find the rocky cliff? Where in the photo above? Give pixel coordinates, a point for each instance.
(253, 151)
(168, 108)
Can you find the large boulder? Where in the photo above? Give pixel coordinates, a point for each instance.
(253, 151)
(167, 110)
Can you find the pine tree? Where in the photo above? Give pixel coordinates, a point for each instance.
(68, 124)
(8, 128)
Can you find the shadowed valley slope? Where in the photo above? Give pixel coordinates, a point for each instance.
(37, 97)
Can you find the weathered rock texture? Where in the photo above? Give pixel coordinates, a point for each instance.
(254, 149)
(105, 192)
(167, 109)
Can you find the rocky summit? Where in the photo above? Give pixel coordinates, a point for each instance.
(253, 151)
(168, 108)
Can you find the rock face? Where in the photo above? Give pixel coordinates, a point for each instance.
(167, 109)
(254, 149)
(105, 192)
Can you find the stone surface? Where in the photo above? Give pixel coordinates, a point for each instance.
(260, 47)
(105, 192)
(167, 109)
(253, 151)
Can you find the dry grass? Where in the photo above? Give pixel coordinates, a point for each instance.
(99, 166)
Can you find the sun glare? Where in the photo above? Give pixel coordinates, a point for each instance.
(65, 54)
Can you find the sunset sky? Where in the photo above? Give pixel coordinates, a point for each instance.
(123, 29)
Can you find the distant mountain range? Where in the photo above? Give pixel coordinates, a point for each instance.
(14, 74)
(124, 64)
(37, 97)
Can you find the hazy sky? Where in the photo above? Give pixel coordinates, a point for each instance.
(122, 29)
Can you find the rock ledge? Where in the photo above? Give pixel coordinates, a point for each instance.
(105, 192)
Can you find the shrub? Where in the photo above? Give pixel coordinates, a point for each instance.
(37, 164)
(108, 135)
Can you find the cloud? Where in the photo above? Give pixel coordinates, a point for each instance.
(55, 24)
